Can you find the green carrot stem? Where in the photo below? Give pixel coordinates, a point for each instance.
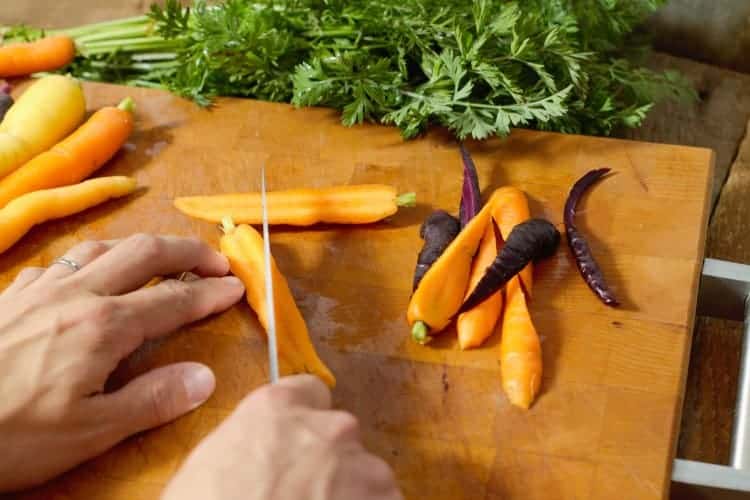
(127, 104)
(97, 27)
(154, 56)
(420, 332)
(407, 200)
(129, 32)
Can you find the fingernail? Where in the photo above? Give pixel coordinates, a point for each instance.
(233, 281)
(199, 384)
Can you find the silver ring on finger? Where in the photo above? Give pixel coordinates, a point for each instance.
(70, 263)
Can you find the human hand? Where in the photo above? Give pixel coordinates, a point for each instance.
(283, 442)
(63, 332)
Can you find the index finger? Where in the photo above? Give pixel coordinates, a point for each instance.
(137, 259)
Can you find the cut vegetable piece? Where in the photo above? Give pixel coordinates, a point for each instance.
(529, 241)
(23, 213)
(74, 158)
(243, 247)
(49, 110)
(520, 349)
(46, 54)
(587, 265)
(476, 325)
(471, 198)
(438, 230)
(360, 204)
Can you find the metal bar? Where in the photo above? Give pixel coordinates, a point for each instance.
(710, 475)
(740, 452)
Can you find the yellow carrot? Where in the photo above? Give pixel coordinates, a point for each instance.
(23, 213)
(74, 158)
(49, 110)
(361, 204)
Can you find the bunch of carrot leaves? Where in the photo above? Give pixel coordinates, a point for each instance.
(476, 67)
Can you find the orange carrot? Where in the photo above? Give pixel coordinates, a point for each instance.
(75, 157)
(474, 326)
(46, 54)
(520, 349)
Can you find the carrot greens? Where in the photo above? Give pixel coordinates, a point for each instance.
(476, 67)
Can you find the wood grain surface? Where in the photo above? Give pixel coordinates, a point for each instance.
(607, 418)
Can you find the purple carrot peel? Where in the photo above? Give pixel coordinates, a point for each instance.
(4, 87)
(471, 198)
(589, 269)
(438, 231)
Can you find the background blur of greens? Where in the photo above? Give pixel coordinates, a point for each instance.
(477, 67)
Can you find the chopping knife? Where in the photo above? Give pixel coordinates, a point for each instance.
(273, 356)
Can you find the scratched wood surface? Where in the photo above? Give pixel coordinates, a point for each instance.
(608, 415)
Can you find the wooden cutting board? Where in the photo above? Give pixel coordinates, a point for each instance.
(606, 422)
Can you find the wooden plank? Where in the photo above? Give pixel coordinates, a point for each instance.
(713, 31)
(716, 122)
(608, 416)
(712, 382)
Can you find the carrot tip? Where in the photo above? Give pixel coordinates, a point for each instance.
(419, 332)
(227, 225)
(407, 200)
(127, 104)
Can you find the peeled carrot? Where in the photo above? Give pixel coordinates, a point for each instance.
(362, 204)
(23, 213)
(75, 157)
(49, 110)
(243, 247)
(474, 326)
(46, 54)
(520, 349)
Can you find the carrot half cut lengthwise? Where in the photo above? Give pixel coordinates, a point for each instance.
(360, 204)
(23, 213)
(74, 158)
(46, 54)
(243, 247)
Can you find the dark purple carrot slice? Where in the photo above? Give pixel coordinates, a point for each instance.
(585, 261)
(438, 231)
(6, 101)
(471, 198)
(531, 240)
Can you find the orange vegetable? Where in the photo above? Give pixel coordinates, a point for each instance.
(23, 213)
(361, 204)
(442, 289)
(474, 326)
(75, 157)
(520, 349)
(46, 54)
(243, 246)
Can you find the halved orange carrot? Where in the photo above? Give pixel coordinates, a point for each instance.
(75, 157)
(46, 54)
(520, 349)
(474, 326)
(359, 204)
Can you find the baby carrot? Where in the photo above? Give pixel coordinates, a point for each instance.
(23, 213)
(74, 158)
(49, 110)
(362, 204)
(243, 247)
(46, 54)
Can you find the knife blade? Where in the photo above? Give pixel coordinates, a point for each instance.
(273, 356)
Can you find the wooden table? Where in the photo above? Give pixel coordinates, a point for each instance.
(608, 415)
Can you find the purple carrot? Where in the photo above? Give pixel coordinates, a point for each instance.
(438, 231)
(528, 241)
(6, 101)
(587, 266)
(471, 198)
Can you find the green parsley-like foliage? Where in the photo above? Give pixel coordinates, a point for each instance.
(476, 67)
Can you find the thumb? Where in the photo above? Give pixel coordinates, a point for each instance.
(160, 396)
